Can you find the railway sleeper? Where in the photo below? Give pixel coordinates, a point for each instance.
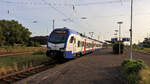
(33, 72)
(22, 76)
(17, 78)
(8, 81)
(26, 73)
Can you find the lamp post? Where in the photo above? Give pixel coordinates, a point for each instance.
(119, 34)
(116, 31)
(131, 29)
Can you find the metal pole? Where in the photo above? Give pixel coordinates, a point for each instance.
(131, 29)
(119, 36)
(119, 32)
(53, 24)
(99, 36)
(116, 34)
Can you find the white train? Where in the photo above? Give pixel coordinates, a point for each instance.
(66, 43)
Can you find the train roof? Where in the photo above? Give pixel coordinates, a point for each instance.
(69, 30)
(74, 32)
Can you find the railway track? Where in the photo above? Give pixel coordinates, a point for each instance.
(16, 76)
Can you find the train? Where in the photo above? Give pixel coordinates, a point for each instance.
(65, 43)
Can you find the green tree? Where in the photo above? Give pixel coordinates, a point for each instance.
(2, 38)
(146, 43)
(25, 36)
(14, 32)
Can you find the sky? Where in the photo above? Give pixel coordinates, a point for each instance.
(101, 16)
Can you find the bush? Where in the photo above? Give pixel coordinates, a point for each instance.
(131, 70)
(137, 47)
(116, 47)
(32, 43)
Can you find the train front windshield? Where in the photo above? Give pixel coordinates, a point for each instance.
(58, 36)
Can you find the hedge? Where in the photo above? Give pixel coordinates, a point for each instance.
(135, 72)
(116, 47)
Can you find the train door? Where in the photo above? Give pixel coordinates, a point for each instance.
(93, 46)
(84, 46)
(72, 44)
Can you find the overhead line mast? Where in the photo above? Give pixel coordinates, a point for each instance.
(131, 29)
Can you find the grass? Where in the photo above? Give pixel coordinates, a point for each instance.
(145, 50)
(15, 63)
(141, 49)
(145, 76)
(19, 49)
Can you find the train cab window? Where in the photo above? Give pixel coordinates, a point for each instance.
(58, 36)
(71, 40)
(78, 43)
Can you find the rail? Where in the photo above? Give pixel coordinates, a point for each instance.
(19, 75)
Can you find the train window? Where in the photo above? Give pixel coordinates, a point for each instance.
(87, 45)
(78, 43)
(90, 45)
(71, 40)
(97, 45)
(74, 40)
(82, 43)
